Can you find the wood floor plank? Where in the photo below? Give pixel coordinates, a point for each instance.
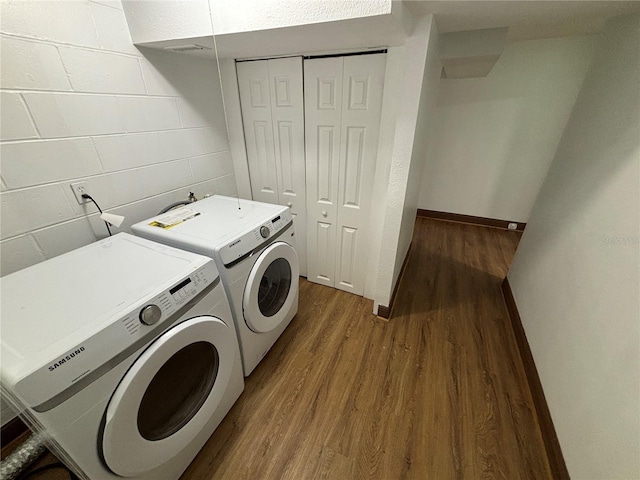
(438, 392)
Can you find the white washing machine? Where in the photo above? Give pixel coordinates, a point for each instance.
(124, 352)
(253, 244)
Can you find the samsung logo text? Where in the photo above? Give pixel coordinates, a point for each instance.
(65, 359)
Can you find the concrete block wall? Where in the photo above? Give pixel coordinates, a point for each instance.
(79, 102)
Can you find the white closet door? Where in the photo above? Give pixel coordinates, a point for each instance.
(253, 84)
(323, 111)
(287, 114)
(271, 100)
(361, 108)
(343, 101)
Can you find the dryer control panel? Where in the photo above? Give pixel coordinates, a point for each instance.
(244, 244)
(119, 338)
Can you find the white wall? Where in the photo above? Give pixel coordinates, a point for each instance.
(315, 27)
(393, 78)
(414, 119)
(251, 15)
(576, 274)
(79, 102)
(157, 21)
(497, 135)
(235, 128)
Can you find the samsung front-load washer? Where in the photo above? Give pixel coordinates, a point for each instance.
(254, 247)
(124, 353)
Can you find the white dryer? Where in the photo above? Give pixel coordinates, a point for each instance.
(124, 352)
(253, 244)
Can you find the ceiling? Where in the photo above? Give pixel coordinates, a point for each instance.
(525, 19)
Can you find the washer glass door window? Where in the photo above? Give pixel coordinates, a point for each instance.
(168, 395)
(271, 288)
(274, 287)
(178, 390)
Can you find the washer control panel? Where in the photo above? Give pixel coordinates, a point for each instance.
(169, 301)
(117, 335)
(256, 237)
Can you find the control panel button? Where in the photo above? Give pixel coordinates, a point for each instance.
(264, 231)
(150, 314)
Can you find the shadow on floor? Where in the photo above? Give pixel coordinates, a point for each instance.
(452, 265)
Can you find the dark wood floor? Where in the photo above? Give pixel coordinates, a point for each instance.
(437, 392)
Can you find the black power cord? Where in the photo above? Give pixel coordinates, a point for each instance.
(89, 197)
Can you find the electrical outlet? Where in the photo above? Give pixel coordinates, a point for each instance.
(78, 189)
(513, 226)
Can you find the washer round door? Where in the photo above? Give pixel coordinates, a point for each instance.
(168, 395)
(272, 288)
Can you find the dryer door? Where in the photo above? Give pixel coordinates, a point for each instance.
(272, 288)
(168, 395)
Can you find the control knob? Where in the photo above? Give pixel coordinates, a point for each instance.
(150, 314)
(264, 231)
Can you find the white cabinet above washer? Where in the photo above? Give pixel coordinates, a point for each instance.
(261, 28)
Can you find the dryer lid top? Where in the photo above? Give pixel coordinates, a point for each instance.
(220, 220)
(51, 304)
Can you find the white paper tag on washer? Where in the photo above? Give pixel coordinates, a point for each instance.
(173, 217)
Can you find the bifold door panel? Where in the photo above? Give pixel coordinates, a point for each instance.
(272, 106)
(323, 108)
(343, 102)
(315, 150)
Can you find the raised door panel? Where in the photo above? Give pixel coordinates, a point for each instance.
(323, 112)
(255, 102)
(287, 114)
(363, 79)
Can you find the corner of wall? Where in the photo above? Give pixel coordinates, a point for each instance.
(408, 90)
(235, 128)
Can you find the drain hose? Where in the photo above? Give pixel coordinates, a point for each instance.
(22, 457)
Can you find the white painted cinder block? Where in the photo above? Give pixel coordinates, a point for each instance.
(184, 143)
(145, 114)
(162, 178)
(74, 115)
(198, 112)
(217, 136)
(99, 72)
(111, 25)
(213, 165)
(32, 208)
(226, 185)
(43, 161)
(121, 152)
(31, 65)
(15, 122)
(174, 74)
(59, 21)
(67, 236)
(157, 74)
(109, 190)
(87, 112)
(18, 253)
